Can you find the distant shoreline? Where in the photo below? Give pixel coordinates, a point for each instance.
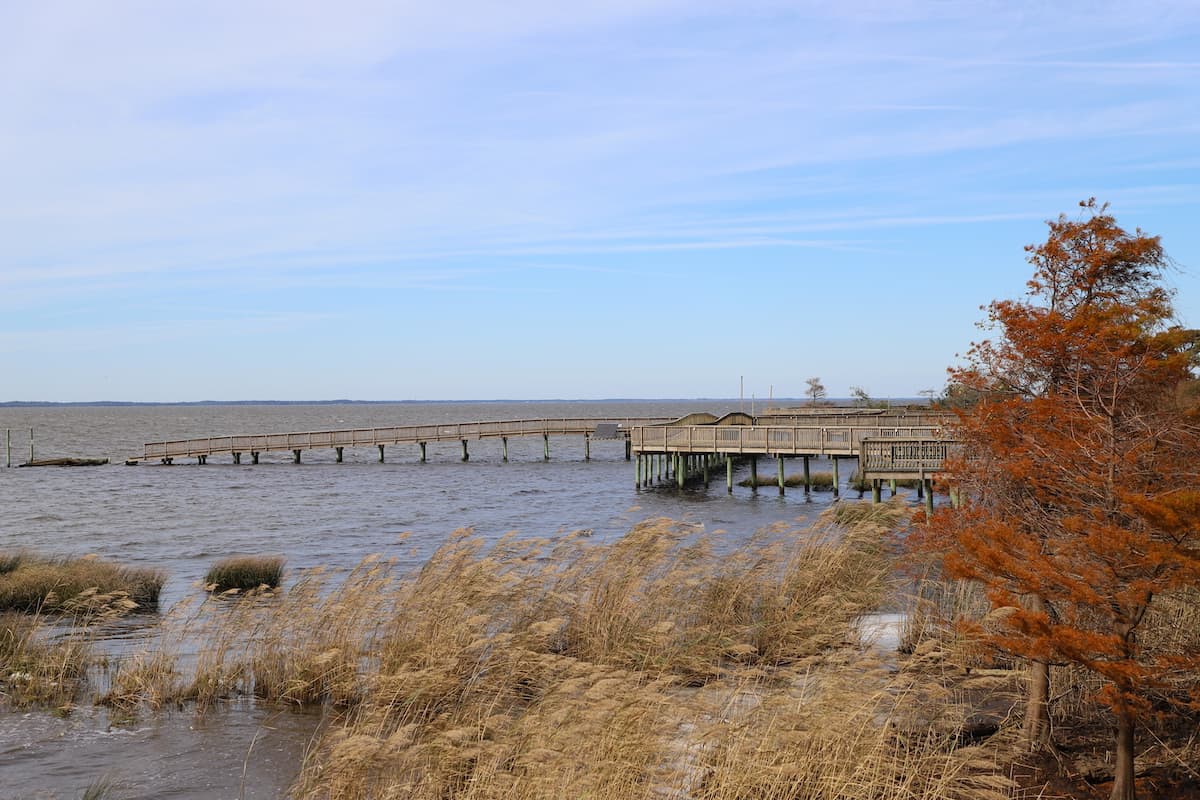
(136, 403)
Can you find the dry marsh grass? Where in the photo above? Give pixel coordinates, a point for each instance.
(669, 663)
(35, 583)
(862, 485)
(34, 670)
(245, 573)
(45, 661)
(665, 664)
(818, 481)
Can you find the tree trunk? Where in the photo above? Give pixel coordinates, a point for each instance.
(1036, 731)
(1123, 787)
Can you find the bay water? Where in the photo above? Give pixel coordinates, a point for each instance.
(182, 518)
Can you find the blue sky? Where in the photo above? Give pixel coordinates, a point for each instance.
(462, 200)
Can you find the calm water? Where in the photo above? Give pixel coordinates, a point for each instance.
(184, 517)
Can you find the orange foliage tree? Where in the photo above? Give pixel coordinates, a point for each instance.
(1080, 469)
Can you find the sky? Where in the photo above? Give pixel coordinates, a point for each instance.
(536, 199)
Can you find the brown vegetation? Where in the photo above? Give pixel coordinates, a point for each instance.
(672, 662)
(1080, 468)
(244, 574)
(818, 481)
(33, 583)
(667, 663)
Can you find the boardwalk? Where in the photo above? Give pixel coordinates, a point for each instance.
(338, 440)
(883, 449)
(887, 446)
(792, 440)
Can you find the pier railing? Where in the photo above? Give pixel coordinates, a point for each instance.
(905, 458)
(397, 434)
(769, 439)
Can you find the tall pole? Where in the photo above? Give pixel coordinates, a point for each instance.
(8, 445)
(31, 445)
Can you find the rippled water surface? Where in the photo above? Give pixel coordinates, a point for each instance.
(184, 517)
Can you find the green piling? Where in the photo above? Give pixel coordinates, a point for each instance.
(779, 466)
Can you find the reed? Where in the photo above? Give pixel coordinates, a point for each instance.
(245, 573)
(671, 662)
(34, 583)
(635, 669)
(36, 669)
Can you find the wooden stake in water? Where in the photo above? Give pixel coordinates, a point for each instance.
(8, 446)
(31, 445)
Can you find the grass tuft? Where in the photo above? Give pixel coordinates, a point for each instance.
(861, 484)
(819, 481)
(34, 583)
(245, 573)
(10, 561)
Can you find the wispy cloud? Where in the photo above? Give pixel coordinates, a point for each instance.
(280, 153)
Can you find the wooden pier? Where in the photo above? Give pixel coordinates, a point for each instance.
(884, 447)
(887, 446)
(380, 438)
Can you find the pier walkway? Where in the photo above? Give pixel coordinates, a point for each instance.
(886, 446)
(338, 440)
